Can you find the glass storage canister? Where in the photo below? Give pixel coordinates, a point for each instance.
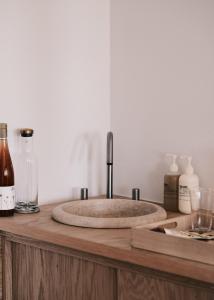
(27, 175)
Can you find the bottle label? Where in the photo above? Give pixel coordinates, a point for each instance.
(7, 197)
(186, 199)
(184, 193)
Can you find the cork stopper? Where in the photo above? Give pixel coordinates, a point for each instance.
(3, 130)
(26, 132)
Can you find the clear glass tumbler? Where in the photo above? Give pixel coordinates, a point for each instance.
(202, 206)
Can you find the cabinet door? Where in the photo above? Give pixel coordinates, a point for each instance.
(0, 268)
(139, 286)
(45, 275)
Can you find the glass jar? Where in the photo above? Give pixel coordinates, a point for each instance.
(27, 175)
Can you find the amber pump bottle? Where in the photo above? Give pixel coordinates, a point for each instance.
(171, 186)
(7, 190)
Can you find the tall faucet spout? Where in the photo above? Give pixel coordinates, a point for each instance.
(109, 161)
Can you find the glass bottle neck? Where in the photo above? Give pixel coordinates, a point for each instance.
(3, 142)
(27, 144)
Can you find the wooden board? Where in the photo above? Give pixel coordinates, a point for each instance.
(148, 239)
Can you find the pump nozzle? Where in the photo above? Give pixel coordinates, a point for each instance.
(189, 169)
(173, 167)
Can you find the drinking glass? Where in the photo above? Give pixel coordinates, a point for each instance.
(201, 206)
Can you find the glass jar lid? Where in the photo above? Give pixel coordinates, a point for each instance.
(26, 132)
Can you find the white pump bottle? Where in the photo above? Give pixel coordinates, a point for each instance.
(187, 181)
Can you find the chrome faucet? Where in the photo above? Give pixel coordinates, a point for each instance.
(109, 161)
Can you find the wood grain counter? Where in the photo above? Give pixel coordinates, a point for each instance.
(39, 244)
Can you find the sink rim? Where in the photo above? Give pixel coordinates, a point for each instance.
(107, 222)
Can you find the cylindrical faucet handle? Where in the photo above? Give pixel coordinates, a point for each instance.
(84, 194)
(109, 158)
(135, 194)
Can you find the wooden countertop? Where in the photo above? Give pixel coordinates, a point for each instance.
(109, 243)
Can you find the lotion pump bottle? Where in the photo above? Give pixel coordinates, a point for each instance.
(187, 181)
(171, 185)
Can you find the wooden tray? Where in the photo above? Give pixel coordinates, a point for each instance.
(151, 238)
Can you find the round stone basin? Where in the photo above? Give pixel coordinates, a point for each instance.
(108, 213)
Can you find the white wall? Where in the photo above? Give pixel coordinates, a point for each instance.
(54, 77)
(162, 89)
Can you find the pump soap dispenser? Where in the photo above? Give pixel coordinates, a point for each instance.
(171, 184)
(187, 181)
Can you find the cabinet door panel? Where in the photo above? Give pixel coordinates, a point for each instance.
(99, 283)
(1, 279)
(135, 286)
(45, 275)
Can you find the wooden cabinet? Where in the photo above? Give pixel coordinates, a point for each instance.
(44, 260)
(38, 273)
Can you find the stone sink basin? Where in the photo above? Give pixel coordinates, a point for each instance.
(108, 213)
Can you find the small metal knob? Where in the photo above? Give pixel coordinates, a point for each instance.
(135, 194)
(84, 194)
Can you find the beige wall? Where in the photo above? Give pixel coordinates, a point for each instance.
(162, 89)
(54, 77)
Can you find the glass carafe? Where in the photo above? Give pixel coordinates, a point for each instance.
(27, 175)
